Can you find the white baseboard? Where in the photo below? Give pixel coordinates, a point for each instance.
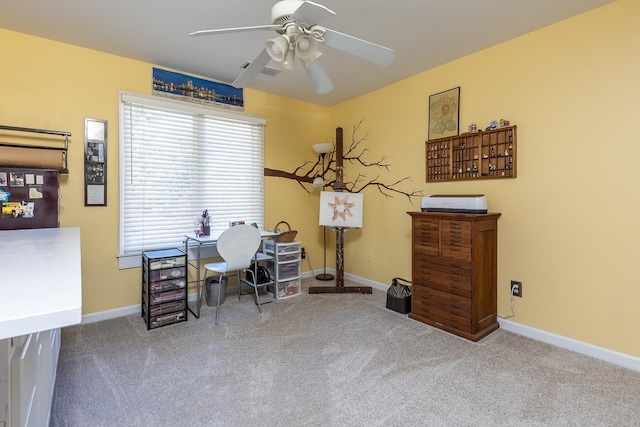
(617, 358)
(111, 314)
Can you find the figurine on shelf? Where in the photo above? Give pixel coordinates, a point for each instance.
(493, 153)
(504, 123)
(492, 125)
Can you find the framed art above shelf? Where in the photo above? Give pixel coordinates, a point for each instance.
(487, 154)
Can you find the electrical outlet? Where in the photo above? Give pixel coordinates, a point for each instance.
(516, 288)
(303, 253)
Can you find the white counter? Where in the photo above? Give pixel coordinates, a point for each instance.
(40, 280)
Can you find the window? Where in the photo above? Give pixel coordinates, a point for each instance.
(178, 159)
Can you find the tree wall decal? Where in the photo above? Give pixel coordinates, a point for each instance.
(355, 154)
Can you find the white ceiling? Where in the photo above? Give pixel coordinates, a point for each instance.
(423, 33)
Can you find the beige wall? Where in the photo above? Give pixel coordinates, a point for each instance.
(52, 85)
(568, 229)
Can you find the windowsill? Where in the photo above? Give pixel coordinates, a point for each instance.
(134, 260)
(129, 261)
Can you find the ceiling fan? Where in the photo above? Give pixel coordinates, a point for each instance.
(296, 22)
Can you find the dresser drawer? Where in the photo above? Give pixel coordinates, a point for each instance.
(450, 283)
(462, 253)
(455, 240)
(450, 321)
(456, 228)
(443, 301)
(459, 269)
(444, 319)
(420, 257)
(426, 237)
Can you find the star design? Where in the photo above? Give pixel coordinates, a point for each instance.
(341, 208)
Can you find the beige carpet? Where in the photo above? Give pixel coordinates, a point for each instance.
(327, 360)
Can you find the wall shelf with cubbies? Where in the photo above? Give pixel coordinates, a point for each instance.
(487, 154)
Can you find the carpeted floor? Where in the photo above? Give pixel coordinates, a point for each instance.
(327, 360)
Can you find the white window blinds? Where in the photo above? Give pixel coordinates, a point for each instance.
(178, 159)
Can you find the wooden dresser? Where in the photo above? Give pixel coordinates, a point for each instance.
(454, 269)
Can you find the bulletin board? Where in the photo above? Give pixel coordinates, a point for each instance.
(29, 198)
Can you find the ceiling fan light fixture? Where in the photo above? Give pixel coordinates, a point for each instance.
(304, 44)
(277, 48)
(307, 49)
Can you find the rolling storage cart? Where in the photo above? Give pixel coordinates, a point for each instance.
(164, 290)
(284, 267)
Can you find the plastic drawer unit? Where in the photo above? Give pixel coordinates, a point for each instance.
(285, 267)
(164, 291)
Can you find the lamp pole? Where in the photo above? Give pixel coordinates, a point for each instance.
(324, 276)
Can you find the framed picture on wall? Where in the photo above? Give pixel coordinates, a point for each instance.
(95, 162)
(444, 113)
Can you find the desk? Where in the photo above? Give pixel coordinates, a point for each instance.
(197, 243)
(41, 290)
(41, 282)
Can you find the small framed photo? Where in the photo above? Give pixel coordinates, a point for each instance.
(444, 114)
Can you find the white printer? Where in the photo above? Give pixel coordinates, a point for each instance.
(459, 203)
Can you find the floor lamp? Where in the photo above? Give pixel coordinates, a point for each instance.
(322, 150)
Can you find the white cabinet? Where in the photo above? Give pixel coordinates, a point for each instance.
(27, 378)
(284, 267)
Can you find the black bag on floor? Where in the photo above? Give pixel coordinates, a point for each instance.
(399, 296)
(263, 275)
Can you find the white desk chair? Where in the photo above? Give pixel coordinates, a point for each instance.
(237, 246)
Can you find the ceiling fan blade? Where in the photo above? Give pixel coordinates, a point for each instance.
(312, 13)
(235, 30)
(358, 47)
(319, 77)
(252, 70)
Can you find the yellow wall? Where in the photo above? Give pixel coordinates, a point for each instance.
(51, 85)
(568, 229)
